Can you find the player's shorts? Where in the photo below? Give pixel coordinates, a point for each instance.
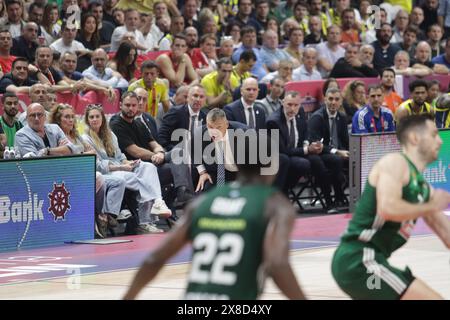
(364, 273)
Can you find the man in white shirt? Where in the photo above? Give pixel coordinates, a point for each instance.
(102, 75)
(330, 52)
(67, 42)
(132, 20)
(307, 71)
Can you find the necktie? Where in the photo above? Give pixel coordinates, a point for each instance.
(251, 119)
(193, 119)
(220, 164)
(334, 141)
(292, 134)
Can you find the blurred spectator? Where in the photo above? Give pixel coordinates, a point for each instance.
(316, 33)
(248, 37)
(50, 28)
(25, 45)
(180, 97)
(269, 52)
(105, 28)
(208, 23)
(176, 27)
(124, 61)
(9, 125)
(15, 22)
(384, 50)
(18, 80)
(433, 92)
(6, 59)
(67, 42)
(131, 25)
(435, 34)
(35, 14)
(301, 14)
(219, 85)
(157, 88)
(226, 47)
(146, 118)
(118, 17)
(366, 53)
(430, 11)
(443, 111)
(354, 98)
(108, 8)
(444, 16)
(234, 30)
(284, 72)
(315, 10)
(285, 29)
(423, 58)
(295, 46)
(189, 14)
(284, 10)
(247, 60)
(416, 18)
(391, 99)
(370, 35)
(244, 18)
(103, 75)
(89, 37)
(409, 41)
(402, 66)
(400, 25)
(150, 31)
(38, 94)
(308, 70)
(350, 66)
(272, 101)
(176, 65)
(373, 117)
(330, 52)
(444, 59)
(203, 58)
(350, 33)
(261, 16)
(39, 139)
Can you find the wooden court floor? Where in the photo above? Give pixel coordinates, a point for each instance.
(425, 255)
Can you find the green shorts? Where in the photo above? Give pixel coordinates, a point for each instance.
(364, 273)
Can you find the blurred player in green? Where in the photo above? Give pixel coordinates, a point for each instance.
(239, 234)
(395, 195)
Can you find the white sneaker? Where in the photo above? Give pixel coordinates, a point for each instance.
(124, 214)
(160, 208)
(148, 228)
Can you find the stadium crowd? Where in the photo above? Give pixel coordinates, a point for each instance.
(207, 67)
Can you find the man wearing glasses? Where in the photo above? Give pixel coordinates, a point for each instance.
(39, 139)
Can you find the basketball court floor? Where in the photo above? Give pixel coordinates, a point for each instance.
(87, 271)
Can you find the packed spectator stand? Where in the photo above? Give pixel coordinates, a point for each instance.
(118, 77)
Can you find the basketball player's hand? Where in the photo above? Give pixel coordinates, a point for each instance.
(440, 199)
(202, 180)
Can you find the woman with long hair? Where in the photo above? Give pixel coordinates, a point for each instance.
(124, 61)
(89, 36)
(108, 202)
(139, 176)
(354, 98)
(51, 28)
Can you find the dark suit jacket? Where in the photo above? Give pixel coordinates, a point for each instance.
(20, 48)
(211, 166)
(176, 118)
(277, 120)
(319, 127)
(235, 112)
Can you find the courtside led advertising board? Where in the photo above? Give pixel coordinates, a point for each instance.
(46, 201)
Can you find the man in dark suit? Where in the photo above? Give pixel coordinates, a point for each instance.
(216, 164)
(296, 153)
(188, 117)
(329, 126)
(244, 110)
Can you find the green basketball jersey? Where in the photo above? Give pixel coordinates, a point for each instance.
(10, 132)
(369, 227)
(227, 233)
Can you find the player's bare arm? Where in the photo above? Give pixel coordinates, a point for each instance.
(171, 244)
(276, 245)
(389, 176)
(438, 222)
